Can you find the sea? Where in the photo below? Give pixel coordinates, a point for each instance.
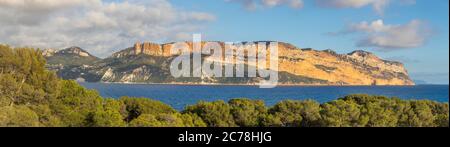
(180, 96)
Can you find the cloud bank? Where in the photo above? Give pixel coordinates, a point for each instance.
(254, 4)
(383, 36)
(378, 5)
(99, 26)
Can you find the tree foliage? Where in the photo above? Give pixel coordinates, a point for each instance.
(215, 114)
(31, 96)
(247, 112)
(297, 113)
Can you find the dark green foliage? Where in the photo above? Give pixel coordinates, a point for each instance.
(23, 77)
(75, 105)
(271, 120)
(247, 112)
(167, 120)
(31, 96)
(46, 116)
(110, 115)
(297, 113)
(18, 116)
(135, 107)
(215, 114)
(341, 113)
(441, 111)
(375, 111)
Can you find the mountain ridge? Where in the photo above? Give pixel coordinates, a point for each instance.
(149, 63)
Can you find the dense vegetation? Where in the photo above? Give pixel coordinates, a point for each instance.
(34, 97)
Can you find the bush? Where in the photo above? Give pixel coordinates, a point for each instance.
(46, 117)
(136, 106)
(192, 120)
(75, 105)
(214, 114)
(341, 113)
(145, 120)
(109, 115)
(297, 113)
(167, 120)
(270, 120)
(247, 112)
(18, 116)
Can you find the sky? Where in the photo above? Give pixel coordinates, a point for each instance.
(414, 32)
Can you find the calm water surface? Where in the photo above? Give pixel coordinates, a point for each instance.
(179, 96)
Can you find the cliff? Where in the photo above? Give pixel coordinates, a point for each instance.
(149, 63)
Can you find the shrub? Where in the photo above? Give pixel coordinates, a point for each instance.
(297, 113)
(247, 112)
(214, 114)
(18, 116)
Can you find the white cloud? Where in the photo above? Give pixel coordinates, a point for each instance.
(379, 35)
(253, 4)
(378, 5)
(96, 25)
(43, 5)
(291, 3)
(31, 12)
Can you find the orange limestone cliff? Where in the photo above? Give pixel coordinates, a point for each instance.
(356, 68)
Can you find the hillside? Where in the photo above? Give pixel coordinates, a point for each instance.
(72, 56)
(149, 63)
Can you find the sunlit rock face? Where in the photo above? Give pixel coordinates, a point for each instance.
(356, 68)
(149, 63)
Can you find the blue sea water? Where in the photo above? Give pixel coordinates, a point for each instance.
(180, 96)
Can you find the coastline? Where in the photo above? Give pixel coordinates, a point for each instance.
(234, 84)
(211, 92)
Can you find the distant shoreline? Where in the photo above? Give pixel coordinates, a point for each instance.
(279, 85)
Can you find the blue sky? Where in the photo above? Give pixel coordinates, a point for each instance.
(414, 32)
(311, 25)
